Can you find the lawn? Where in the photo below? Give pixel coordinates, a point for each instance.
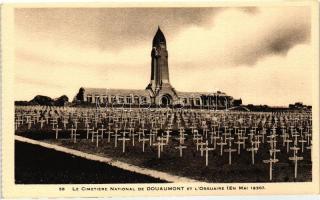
(191, 165)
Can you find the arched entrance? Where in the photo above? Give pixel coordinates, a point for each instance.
(166, 100)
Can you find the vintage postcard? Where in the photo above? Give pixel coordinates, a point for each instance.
(103, 100)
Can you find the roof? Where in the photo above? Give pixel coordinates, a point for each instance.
(198, 94)
(127, 92)
(116, 92)
(158, 38)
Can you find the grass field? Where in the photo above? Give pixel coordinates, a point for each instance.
(191, 165)
(39, 165)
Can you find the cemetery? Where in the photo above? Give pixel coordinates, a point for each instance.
(217, 146)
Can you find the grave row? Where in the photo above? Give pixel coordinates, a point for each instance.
(226, 133)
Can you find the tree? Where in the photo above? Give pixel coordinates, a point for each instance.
(80, 95)
(61, 101)
(42, 100)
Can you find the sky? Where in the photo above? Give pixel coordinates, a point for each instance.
(262, 55)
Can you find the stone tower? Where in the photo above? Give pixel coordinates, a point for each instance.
(159, 86)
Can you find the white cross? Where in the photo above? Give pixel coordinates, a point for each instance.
(102, 129)
(230, 150)
(168, 131)
(295, 149)
(230, 140)
(243, 138)
(116, 139)
(133, 137)
(180, 147)
(57, 131)
(88, 131)
(255, 144)
(288, 144)
(201, 146)
(295, 139)
(73, 130)
(151, 135)
(257, 138)
(141, 133)
(263, 133)
(239, 143)
(272, 142)
(274, 152)
(207, 149)
(221, 144)
(124, 139)
(41, 123)
(181, 139)
(163, 140)
(197, 139)
(109, 131)
(97, 136)
(53, 122)
(65, 122)
(214, 141)
(270, 161)
(143, 140)
(253, 150)
(295, 159)
(284, 137)
(302, 141)
(251, 134)
(159, 144)
(308, 135)
(29, 124)
(131, 130)
(93, 133)
(75, 121)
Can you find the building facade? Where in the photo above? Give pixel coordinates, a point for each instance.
(159, 92)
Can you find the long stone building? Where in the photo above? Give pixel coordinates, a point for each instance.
(159, 92)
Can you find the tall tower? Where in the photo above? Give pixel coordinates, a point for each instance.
(159, 82)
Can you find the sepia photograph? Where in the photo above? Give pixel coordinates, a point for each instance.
(220, 95)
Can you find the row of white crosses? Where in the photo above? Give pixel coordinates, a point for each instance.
(209, 130)
(162, 125)
(153, 134)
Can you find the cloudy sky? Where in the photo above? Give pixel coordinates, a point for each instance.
(260, 54)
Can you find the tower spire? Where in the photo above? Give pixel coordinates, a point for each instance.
(158, 38)
(159, 82)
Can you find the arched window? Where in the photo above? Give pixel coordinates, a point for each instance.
(136, 99)
(89, 98)
(129, 100)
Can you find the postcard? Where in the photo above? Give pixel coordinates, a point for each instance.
(126, 99)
